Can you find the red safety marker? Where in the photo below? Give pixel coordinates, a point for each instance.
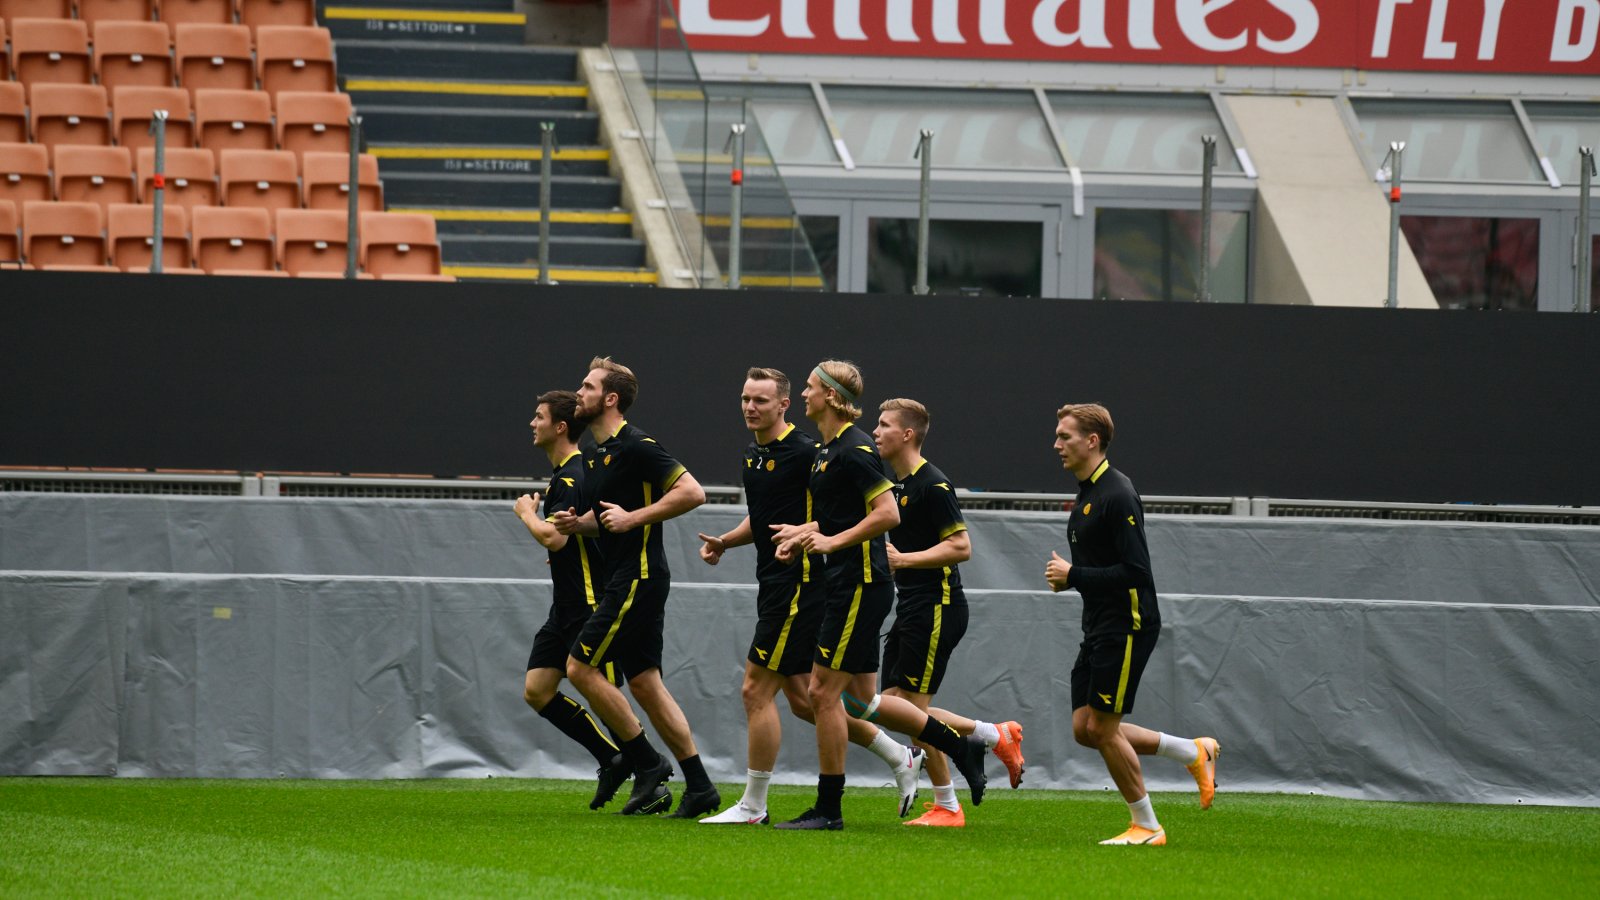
(738, 176)
(1394, 195)
(158, 180)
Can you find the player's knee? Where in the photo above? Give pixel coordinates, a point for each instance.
(1082, 734)
(754, 694)
(865, 709)
(1096, 732)
(537, 696)
(578, 671)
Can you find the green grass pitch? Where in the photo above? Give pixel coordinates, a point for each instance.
(512, 837)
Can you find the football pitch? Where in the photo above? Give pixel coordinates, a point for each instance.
(513, 837)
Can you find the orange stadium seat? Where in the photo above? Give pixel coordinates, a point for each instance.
(294, 58)
(132, 109)
(215, 56)
(116, 10)
(196, 12)
(63, 234)
(399, 244)
(327, 181)
(25, 173)
(191, 177)
(313, 240)
(133, 53)
(232, 239)
(269, 179)
(13, 113)
(234, 120)
(10, 233)
(5, 57)
(50, 50)
(11, 10)
(130, 233)
(102, 175)
(256, 13)
(314, 122)
(69, 114)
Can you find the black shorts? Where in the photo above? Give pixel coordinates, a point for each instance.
(917, 649)
(852, 615)
(1106, 674)
(554, 641)
(626, 626)
(787, 619)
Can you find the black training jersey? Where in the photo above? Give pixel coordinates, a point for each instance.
(845, 478)
(1110, 556)
(777, 479)
(575, 568)
(631, 470)
(929, 513)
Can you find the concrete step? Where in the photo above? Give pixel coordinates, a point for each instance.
(563, 275)
(471, 189)
(614, 223)
(400, 91)
(504, 127)
(460, 158)
(452, 61)
(494, 249)
(378, 20)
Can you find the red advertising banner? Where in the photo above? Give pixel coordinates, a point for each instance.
(1543, 36)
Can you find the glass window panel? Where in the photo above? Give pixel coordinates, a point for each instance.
(979, 258)
(790, 122)
(1477, 262)
(972, 129)
(1140, 132)
(823, 233)
(1450, 141)
(1153, 254)
(1561, 128)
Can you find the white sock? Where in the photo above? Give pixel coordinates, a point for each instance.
(888, 749)
(755, 790)
(945, 796)
(1183, 750)
(985, 732)
(1144, 815)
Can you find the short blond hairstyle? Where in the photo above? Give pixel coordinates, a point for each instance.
(619, 380)
(758, 373)
(1092, 418)
(911, 414)
(848, 375)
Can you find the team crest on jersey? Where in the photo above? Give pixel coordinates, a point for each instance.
(771, 464)
(904, 499)
(1087, 507)
(606, 461)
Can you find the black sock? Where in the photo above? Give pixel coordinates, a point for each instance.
(830, 794)
(640, 753)
(941, 736)
(694, 773)
(575, 722)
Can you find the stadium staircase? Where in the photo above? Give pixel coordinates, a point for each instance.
(452, 100)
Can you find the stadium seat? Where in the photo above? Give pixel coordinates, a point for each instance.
(327, 181)
(399, 244)
(25, 173)
(256, 13)
(13, 113)
(130, 233)
(133, 53)
(313, 240)
(191, 177)
(5, 57)
(176, 13)
(234, 120)
(292, 58)
(69, 114)
(215, 56)
(96, 11)
(102, 175)
(63, 234)
(232, 239)
(133, 107)
(10, 234)
(314, 122)
(11, 10)
(269, 179)
(50, 50)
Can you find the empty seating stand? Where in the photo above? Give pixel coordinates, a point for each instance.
(50, 50)
(268, 179)
(13, 113)
(130, 233)
(214, 55)
(326, 180)
(294, 58)
(66, 234)
(191, 177)
(234, 120)
(25, 173)
(313, 240)
(232, 239)
(69, 114)
(133, 108)
(133, 53)
(102, 175)
(399, 244)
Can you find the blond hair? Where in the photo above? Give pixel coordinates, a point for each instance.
(850, 377)
(1092, 418)
(911, 414)
(619, 380)
(758, 373)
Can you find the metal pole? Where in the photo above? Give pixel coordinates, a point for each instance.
(1396, 159)
(1208, 167)
(158, 211)
(547, 152)
(1582, 299)
(352, 256)
(925, 153)
(736, 227)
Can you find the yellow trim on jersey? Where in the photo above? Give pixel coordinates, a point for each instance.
(917, 468)
(672, 478)
(618, 431)
(805, 558)
(588, 576)
(783, 636)
(594, 659)
(944, 588)
(933, 641)
(1100, 470)
(784, 435)
(849, 625)
(1122, 681)
(842, 431)
(879, 489)
(1133, 597)
(957, 528)
(644, 544)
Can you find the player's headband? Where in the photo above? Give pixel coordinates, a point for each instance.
(828, 380)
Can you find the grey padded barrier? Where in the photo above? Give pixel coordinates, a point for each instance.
(220, 660)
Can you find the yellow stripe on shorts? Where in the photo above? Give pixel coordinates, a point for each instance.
(783, 636)
(606, 644)
(849, 626)
(933, 647)
(1122, 682)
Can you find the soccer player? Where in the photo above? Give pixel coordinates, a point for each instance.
(1110, 567)
(854, 509)
(634, 486)
(924, 551)
(777, 472)
(574, 565)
